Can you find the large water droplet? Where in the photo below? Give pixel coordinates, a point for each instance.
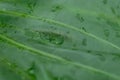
(46, 37)
(52, 37)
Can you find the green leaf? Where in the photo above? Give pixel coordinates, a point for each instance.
(59, 40)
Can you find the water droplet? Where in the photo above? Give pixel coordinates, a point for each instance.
(3, 25)
(31, 71)
(66, 77)
(117, 34)
(54, 28)
(118, 16)
(113, 10)
(67, 32)
(46, 37)
(4, 31)
(31, 6)
(89, 51)
(74, 47)
(23, 15)
(101, 57)
(21, 48)
(84, 42)
(1, 40)
(111, 23)
(79, 17)
(67, 58)
(30, 33)
(98, 18)
(52, 37)
(106, 33)
(83, 29)
(15, 32)
(105, 1)
(56, 8)
(116, 57)
(14, 65)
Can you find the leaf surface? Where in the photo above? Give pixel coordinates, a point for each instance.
(59, 40)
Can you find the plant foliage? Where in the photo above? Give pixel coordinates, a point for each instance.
(59, 40)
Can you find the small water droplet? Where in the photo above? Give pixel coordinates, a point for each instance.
(31, 71)
(74, 47)
(101, 57)
(106, 33)
(83, 29)
(4, 31)
(31, 6)
(118, 16)
(113, 10)
(56, 8)
(79, 17)
(89, 51)
(15, 32)
(21, 48)
(67, 58)
(98, 18)
(84, 42)
(54, 28)
(66, 77)
(116, 57)
(117, 34)
(67, 32)
(23, 15)
(105, 1)
(111, 23)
